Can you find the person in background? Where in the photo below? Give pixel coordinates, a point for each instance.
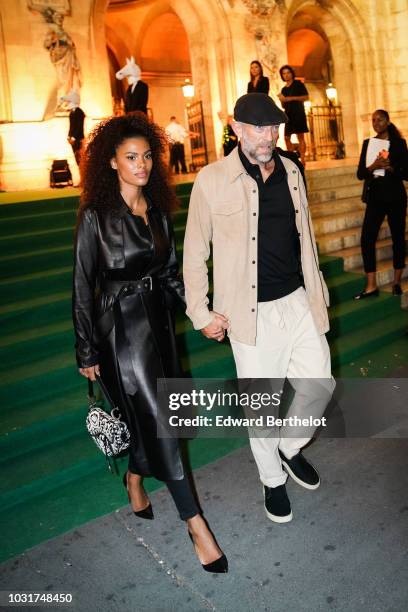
(125, 278)
(385, 196)
(258, 82)
(76, 124)
(177, 133)
(229, 138)
(137, 93)
(292, 98)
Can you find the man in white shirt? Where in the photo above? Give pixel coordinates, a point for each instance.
(177, 133)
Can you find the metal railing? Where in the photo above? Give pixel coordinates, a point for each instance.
(325, 139)
(199, 151)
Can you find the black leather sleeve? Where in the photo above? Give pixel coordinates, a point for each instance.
(83, 295)
(169, 275)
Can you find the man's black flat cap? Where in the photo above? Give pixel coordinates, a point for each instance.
(258, 109)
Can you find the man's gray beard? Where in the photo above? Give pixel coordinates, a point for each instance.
(263, 159)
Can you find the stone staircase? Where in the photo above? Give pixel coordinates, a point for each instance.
(53, 477)
(338, 212)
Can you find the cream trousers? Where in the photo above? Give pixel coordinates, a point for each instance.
(288, 345)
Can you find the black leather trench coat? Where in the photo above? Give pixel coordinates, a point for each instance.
(130, 334)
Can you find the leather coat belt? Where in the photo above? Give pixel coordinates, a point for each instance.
(116, 316)
(123, 288)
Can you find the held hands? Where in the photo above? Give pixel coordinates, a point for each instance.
(91, 372)
(216, 329)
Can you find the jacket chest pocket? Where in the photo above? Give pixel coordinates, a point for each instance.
(228, 222)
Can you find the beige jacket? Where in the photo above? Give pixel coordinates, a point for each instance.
(224, 211)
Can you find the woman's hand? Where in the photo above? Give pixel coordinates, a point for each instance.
(92, 372)
(379, 163)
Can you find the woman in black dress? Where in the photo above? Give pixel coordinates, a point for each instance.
(258, 83)
(385, 196)
(125, 280)
(292, 97)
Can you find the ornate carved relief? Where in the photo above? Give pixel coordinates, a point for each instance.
(264, 7)
(268, 33)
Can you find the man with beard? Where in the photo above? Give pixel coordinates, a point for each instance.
(269, 293)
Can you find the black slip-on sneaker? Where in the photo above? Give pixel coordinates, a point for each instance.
(301, 470)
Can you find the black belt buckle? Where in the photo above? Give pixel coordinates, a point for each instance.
(147, 280)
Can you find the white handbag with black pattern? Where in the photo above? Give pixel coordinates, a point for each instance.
(110, 434)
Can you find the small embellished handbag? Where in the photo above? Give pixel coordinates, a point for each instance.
(110, 434)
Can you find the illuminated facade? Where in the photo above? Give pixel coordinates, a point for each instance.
(359, 45)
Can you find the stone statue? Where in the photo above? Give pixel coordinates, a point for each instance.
(62, 51)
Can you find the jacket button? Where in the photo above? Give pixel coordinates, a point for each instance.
(296, 211)
(253, 237)
(253, 286)
(254, 191)
(253, 261)
(293, 171)
(295, 188)
(253, 309)
(254, 214)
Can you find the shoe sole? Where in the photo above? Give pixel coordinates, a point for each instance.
(275, 518)
(303, 484)
(279, 519)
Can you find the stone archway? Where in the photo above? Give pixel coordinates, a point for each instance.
(209, 43)
(341, 24)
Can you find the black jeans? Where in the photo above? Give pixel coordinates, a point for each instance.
(183, 496)
(177, 157)
(375, 214)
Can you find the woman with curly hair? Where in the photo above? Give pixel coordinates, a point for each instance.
(125, 281)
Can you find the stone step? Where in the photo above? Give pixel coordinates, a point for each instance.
(352, 255)
(404, 287)
(330, 168)
(331, 180)
(343, 206)
(346, 238)
(335, 193)
(329, 224)
(385, 273)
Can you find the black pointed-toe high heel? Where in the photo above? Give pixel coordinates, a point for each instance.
(146, 513)
(219, 566)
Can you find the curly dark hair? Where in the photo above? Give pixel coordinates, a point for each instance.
(100, 181)
(287, 67)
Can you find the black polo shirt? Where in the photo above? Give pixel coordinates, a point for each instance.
(278, 241)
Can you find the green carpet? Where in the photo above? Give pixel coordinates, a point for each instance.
(53, 478)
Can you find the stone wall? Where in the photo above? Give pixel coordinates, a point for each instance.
(367, 38)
